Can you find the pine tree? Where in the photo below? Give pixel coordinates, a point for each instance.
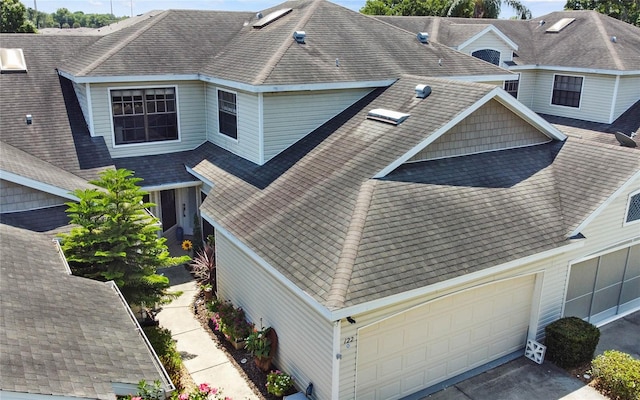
(115, 238)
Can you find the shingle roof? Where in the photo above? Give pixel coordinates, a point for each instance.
(58, 134)
(455, 216)
(62, 335)
(585, 43)
(50, 219)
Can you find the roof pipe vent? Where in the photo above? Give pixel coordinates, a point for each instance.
(614, 39)
(542, 22)
(423, 91)
(423, 37)
(258, 15)
(299, 36)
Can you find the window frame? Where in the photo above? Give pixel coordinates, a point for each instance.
(628, 208)
(488, 49)
(517, 82)
(226, 135)
(553, 88)
(143, 88)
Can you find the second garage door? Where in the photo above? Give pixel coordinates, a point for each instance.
(443, 338)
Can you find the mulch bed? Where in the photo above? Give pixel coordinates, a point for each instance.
(242, 360)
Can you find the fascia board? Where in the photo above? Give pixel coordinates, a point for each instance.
(574, 69)
(483, 32)
(508, 76)
(37, 185)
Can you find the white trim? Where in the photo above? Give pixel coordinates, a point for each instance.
(169, 186)
(481, 78)
(614, 100)
(483, 32)
(155, 142)
(335, 360)
(129, 78)
(457, 281)
(200, 177)
(553, 85)
(500, 95)
(37, 185)
(260, 128)
(606, 203)
(626, 211)
(301, 294)
(574, 70)
(623, 244)
(296, 87)
(89, 109)
(224, 135)
(62, 256)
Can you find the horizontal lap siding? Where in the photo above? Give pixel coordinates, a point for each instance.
(288, 117)
(305, 337)
(81, 94)
(490, 41)
(248, 113)
(191, 114)
(14, 197)
(628, 94)
(595, 103)
(527, 88)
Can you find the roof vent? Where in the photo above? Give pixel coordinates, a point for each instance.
(12, 60)
(423, 37)
(560, 25)
(388, 116)
(614, 39)
(542, 22)
(299, 36)
(258, 15)
(269, 18)
(422, 91)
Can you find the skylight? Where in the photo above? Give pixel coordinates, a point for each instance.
(269, 18)
(12, 60)
(388, 116)
(560, 25)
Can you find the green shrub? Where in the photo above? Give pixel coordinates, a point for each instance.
(165, 347)
(617, 375)
(571, 341)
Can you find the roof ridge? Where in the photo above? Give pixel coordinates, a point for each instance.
(122, 44)
(612, 51)
(344, 269)
(278, 54)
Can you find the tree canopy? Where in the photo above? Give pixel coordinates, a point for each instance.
(115, 238)
(13, 18)
(624, 10)
(444, 8)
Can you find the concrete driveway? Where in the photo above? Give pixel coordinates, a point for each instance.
(522, 379)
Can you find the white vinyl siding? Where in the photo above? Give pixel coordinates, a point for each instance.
(288, 117)
(490, 41)
(628, 94)
(595, 102)
(191, 118)
(527, 88)
(14, 197)
(81, 94)
(305, 338)
(247, 145)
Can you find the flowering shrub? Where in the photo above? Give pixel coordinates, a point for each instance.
(231, 322)
(278, 382)
(203, 392)
(258, 343)
(187, 245)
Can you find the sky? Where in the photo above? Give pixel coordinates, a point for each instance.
(135, 7)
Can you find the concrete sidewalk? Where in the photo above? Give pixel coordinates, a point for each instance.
(204, 360)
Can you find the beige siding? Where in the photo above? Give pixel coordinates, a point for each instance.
(191, 119)
(14, 197)
(628, 94)
(491, 127)
(288, 117)
(81, 94)
(595, 103)
(490, 41)
(248, 113)
(305, 337)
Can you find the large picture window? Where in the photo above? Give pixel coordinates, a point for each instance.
(227, 114)
(567, 90)
(144, 115)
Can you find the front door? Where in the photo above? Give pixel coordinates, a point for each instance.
(168, 204)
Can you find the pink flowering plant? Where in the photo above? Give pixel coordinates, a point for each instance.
(231, 322)
(203, 392)
(278, 382)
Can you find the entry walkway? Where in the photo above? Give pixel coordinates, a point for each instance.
(204, 360)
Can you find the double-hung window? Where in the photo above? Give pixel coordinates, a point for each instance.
(144, 115)
(512, 87)
(566, 90)
(227, 114)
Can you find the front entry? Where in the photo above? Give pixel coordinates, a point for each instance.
(168, 205)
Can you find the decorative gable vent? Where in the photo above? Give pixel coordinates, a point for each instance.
(423, 37)
(269, 18)
(299, 36)
(388, 116)
(560, 25)
(12, 60)
(422, 91)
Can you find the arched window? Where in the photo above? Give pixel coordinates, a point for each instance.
(488, 55)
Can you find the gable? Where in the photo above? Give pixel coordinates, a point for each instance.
(491, 127)
(490, 38)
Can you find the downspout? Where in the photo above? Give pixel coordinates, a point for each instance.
(336, 357)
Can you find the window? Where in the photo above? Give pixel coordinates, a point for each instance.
(227, 114)
(633, 213)
(566, 90)
(512, 87)
(144, 115)
(488, 55)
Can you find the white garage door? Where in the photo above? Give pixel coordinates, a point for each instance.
(438, 340)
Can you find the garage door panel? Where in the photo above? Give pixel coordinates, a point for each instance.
(443, 338)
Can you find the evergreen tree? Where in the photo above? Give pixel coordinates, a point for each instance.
(116, 239)
(13, 18)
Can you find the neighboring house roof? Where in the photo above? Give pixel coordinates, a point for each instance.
(323, 216)
(585, 43)
(64, 335)
(58, 134)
